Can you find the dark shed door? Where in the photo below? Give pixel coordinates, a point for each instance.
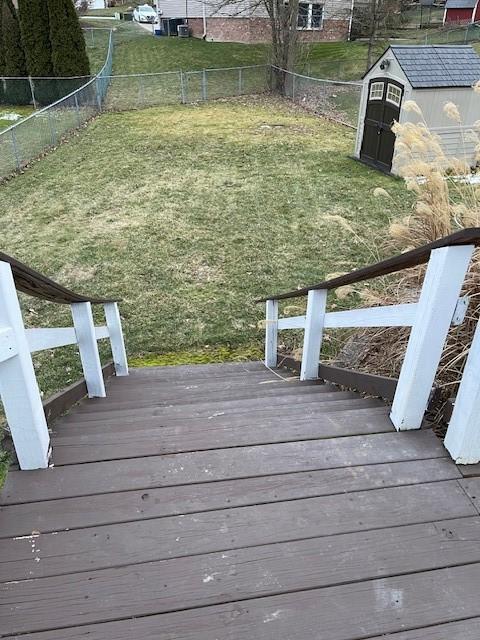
(383, 107)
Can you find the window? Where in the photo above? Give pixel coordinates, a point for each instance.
(394, 94)
(310, 16)
(376, 91)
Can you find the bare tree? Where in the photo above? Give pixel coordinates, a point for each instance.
(371, 20)
(282, 16)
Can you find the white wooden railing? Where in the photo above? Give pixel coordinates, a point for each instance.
(438, 307)
(19, 389)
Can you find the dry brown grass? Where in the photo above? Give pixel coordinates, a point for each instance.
(446, 201)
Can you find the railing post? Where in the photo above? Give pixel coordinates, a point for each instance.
(114, 325)
(463, 435)
(438, 299)
(87, 345)
(312, 341)
(271, 332)
(18, 384)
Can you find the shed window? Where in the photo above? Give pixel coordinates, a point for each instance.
(394, 94)
(310, 15)
(376, 91)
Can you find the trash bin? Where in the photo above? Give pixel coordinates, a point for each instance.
(158, 31)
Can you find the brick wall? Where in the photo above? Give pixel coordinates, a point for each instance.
(253, 30)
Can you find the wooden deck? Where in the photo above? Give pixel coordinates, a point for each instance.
(219, 502)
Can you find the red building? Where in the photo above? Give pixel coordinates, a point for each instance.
(461, 11)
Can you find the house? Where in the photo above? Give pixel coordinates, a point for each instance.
(461, 11)
(247, 20)
(430, 76)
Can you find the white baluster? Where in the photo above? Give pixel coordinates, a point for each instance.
(18, 384)
(312, 341)
(438, 300)
(114, 325)
(271, 333)
(87, 345)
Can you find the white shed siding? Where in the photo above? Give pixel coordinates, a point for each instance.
(456, 139)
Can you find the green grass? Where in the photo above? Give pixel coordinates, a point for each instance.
(194, 212)
(136, 51)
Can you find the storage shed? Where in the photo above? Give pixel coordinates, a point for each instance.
(461, 11)
(430, 75)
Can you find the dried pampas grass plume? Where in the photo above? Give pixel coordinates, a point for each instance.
(412, 106)
(450, 109)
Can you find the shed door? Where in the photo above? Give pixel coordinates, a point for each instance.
(383, 107)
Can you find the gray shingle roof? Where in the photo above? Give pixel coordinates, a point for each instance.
(430, 66)
(460, 4)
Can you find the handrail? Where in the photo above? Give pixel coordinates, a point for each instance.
(19, 391)
(430, 318)
(400, 262)
(35, 284)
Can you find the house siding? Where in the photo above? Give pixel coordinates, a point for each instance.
(244, 22)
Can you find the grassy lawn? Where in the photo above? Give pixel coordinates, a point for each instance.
(190, 214)
(136, 51)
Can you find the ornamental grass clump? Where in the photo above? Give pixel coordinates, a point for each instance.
(447, 199)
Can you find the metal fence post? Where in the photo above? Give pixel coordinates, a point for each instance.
(53, 134)
(141, 90)
(204, 85)
(293, 86)
(15, 148)
(99, 94)
(182, 87)
(77, 109)
(240, 81)
(32, 90)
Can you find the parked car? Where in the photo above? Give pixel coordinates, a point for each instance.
(145, 13)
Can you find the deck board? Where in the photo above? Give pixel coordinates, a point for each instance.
(128, 506)
(218, 501)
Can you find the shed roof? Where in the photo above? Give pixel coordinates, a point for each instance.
(429, 66)
(460, 4)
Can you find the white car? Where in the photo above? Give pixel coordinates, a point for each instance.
(145, 13)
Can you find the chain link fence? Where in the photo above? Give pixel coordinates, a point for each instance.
(462, 34)
(140, 91)
(336, 100)
(29, 138)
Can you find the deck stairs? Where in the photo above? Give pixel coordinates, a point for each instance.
(234, 502)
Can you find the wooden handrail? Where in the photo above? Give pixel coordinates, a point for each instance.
(35, 284)
(391, 265)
